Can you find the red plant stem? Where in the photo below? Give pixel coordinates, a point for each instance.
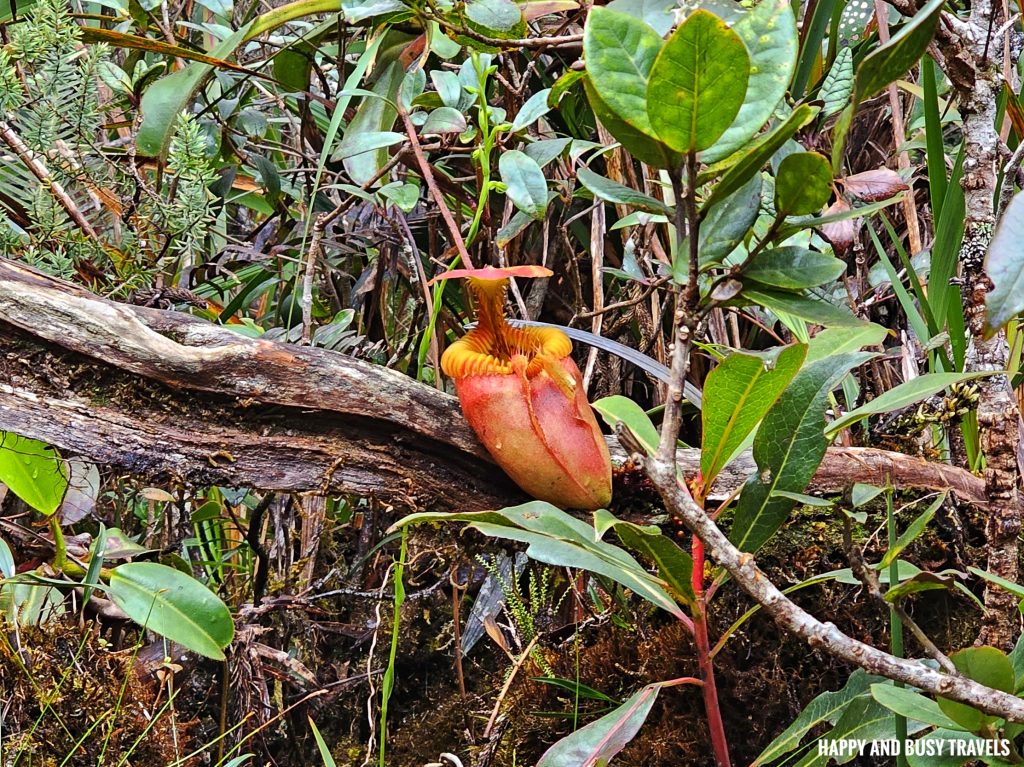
(719, 742)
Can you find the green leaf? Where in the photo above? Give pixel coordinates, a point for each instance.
(618, 409)
(376, 114)
(444, 120)
(922, 581)
(889, 62)
(7, 567)
(912, 705)
(368, 142)
(697, 83)
(826, 707)
(675, 566)
(815, 310)
(169, 96)
(535, 107)
(845, 339)
(599, 741)
(447, 86)
(638, 143)
(738, 393)
(914, 529)
(33, 471)
(525, 183)
(174, 605)
(942, 752)
(788, 448)
(863, 493)
(793, 268)
(620, 51)
(620, 194)
(907, 393)
(359, 10)
(1004, 265)
(496, 18)
(759, 153)
(803, 184)
(988, 666)
(770, 34)
(325, 752)
(726, 224)
(863, 719)
(659, 14)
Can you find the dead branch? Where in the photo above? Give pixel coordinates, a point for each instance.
(167, 396)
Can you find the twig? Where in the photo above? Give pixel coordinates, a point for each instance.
(508, 684)
(825, 636)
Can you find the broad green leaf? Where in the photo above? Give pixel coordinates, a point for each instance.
(738, 393)
(169, 96)
(525, 183)
(33, 471)
(770, 34)
(912, 705)
(988, 666)
(726, 224)
(675, 566)
(907, 393)
(620, 51)
(845, 339)
(535, 107)
(914, 529)
(448, 87)
(368, 142)
(788, 448)
(757, 156)
(496, 18)
(611, 191)
(793, 268)
(618, 409)
(444, 120)
(174, 605)
(599, 741)
(862, 493)
(546, 150)
(863, 719)
(890, 61)
(374, 115)
(1004, 265)
(359, 10)
(697, 83)
(826, 707)
(7, 569)
(803, 184)
(837, 87)
(642, 145)
(815, 310)
(516, 226)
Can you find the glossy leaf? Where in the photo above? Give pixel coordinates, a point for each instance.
(793, 268)
(675, 566)
(659, 14)
(738, 394)
(907, 393)
(525, 183)
(987, 665)
(611, 191)
(910, 704)
(814, 310)
(770, 35)
(174, 605)
(885, 64)
(803, 184)
(535, 107)
(837, 87)
(444, 120)
(758, 155)
(33, 471)
(169, 96)
(620, 50)
(599, 741)
(940, 750)
(368, 142)
(496, 18)
(845, 339)
(618, 409)
(788, 448)
(642, 145)
(727, 224)
(697, 83)
(1004, 265)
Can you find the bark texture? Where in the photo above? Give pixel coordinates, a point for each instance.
(169, 397)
